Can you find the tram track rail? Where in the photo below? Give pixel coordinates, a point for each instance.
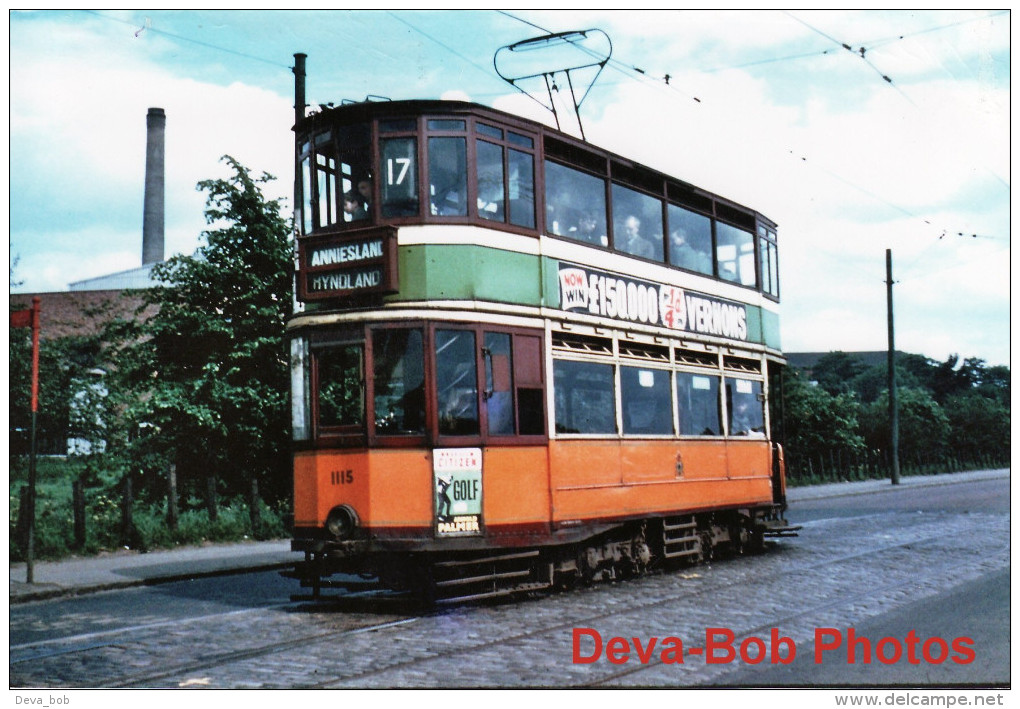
(768, 570)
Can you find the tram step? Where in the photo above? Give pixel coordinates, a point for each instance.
(683, 552)
(668, 527)
(453, 563)
(485, 577)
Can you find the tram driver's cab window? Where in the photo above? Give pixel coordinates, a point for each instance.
(398, 357)
(340, 395)
(456, 383)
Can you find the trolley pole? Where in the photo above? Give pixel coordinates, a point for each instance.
(894, 419)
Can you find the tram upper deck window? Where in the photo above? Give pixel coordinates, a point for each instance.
(637, 223)
(336, 178)
(734, 250)
(769, 260)
(575, 204)
(398, 381)
(448, 176)
(399, 176)
(506, 176)
(690, 239)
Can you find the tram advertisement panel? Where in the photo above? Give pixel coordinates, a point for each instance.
(623, 298)
(457, 475)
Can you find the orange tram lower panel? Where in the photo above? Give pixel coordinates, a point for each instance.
(524, 493)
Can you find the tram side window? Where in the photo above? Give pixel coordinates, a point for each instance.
(744, 403)
(646, 400)
(637, 223)
(498, 396)
(690, 240)
(735, 252)
(491, 198)
(697, 398)
(456, 383)
(341, 400)
(355, 176)
(585, 397)
(399, 176)
(399, 381)
(769, 261)
(575, 204)
(521, 170)
(448, 176)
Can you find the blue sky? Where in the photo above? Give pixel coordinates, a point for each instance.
(899, 139)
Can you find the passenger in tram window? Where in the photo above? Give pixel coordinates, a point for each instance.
(631, 240)
(355, 206)
(682, 253)
(561, 216)
(365, 190)
(746, 421)
(587, 230)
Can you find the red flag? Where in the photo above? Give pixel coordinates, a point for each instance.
(30, 318)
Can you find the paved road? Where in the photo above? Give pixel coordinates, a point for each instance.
(877, 564)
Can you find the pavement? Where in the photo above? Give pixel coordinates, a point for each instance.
(126, 568)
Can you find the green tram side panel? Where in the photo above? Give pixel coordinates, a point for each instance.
(466, 272)
(442, 272)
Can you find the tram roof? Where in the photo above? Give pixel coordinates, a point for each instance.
(369, 110)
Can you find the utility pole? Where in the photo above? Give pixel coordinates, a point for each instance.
(894, 417)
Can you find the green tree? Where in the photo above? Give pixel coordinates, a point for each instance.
(817, 421)
(923, 425)
(208, 369)
(979, 425)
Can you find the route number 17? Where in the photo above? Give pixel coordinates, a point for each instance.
(401, 168)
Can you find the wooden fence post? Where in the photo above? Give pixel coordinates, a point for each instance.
(78, 503)
(210, 500)
(171, 498)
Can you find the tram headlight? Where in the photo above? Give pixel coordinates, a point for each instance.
(341, 521)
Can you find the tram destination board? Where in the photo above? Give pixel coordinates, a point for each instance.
(351, 264)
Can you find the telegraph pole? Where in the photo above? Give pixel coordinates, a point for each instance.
(894, 418)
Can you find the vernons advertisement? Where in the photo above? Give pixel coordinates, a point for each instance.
(613, 296)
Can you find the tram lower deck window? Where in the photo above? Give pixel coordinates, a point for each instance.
(698, 404)
(585, 397)
(646, 400)
(398, 381)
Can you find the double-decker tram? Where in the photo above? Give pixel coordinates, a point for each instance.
(518, 360)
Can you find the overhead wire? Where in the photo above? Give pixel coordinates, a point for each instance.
(147, 27)
(646, 78)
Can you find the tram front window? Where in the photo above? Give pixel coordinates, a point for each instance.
(735, 253)
(340, 392)
(457, 383)
(399, 381)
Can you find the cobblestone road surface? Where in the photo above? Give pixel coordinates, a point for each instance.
(839, 572)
